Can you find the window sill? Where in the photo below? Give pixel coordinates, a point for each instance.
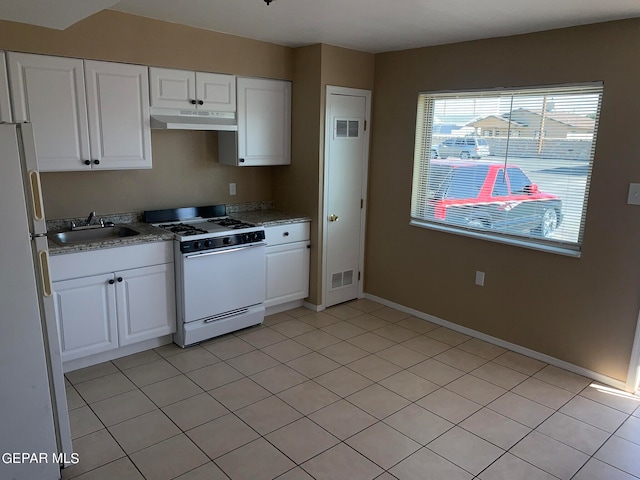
(498, 238)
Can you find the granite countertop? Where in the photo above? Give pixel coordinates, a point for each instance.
(270, 217)
(263, 215)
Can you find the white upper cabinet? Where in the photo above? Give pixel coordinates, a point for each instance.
(86, 114)
(5, 106)
(49, 92)
(264, 125)
(118, 109)
(182, 89)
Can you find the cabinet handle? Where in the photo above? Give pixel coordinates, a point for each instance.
(87, 162)
(119, 279)
(200, 102)
(96, 162)
(112, 281)
(241, 160)
(193, 102)
(285, 234)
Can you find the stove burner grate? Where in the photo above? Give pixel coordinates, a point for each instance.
(183, 229)
(232, 223)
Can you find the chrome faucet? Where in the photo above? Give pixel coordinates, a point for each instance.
(89, 218)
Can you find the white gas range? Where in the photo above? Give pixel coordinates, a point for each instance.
(220, 271)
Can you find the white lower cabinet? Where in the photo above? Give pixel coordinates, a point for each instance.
(145, 303)
(86, 316)
(287, 263)
(98, 311)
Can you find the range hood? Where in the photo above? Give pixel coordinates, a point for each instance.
(168, 119)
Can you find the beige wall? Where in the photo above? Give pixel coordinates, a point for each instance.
(300, 186)
(295, 187)
(185, 168)
(584, 310)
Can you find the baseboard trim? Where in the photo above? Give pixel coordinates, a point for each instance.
(311, 306)
(612, 382)
(283, 307)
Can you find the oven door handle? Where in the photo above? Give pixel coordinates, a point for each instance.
(218, 252)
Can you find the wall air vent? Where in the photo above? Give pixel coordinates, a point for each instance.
(341, 279)
(346, 128)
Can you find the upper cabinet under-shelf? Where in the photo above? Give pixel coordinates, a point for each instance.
(87, 115)
(264, 125)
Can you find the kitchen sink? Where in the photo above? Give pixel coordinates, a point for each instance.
(92, 235)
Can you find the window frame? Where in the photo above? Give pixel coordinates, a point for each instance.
(422, 161)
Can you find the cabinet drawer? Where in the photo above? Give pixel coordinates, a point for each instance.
(107, 260)
(293, 232)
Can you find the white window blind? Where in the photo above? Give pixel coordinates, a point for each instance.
(510, 165)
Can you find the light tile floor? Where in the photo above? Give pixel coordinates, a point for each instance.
(360, 391)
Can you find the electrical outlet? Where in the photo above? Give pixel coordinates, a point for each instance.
(480, 278)
(232, 189)
(634, 194)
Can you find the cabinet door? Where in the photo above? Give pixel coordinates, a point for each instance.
(5, 106)
(86, 316)
(287, 273)
(118, 109)
(172, 88)
(145, 303)
(264, 122)
(50, 93)
(216, 92)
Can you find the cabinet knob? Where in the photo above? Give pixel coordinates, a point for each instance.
(193, 102)
(112, 281)
(285, 234)
(241, 160)
(119, 279)
(200, 102)
(96, 162)
(87, 162)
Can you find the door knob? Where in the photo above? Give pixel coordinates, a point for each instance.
(333, 217)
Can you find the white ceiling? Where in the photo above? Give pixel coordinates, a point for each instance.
(366, 25)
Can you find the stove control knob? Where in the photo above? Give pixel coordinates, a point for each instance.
(196, 245)
(207, 243)
(246, 238)
(226, 240)
(255, 236)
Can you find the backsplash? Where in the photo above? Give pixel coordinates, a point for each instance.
(60, 224)
(185, 172)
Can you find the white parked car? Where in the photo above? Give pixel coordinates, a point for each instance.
(463, 147)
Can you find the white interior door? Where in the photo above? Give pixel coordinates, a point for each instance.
(346, 160)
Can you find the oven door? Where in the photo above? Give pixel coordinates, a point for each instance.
(223, 280)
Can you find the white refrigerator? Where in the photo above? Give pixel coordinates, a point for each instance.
(33, 404)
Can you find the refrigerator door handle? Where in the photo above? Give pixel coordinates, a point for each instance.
(36, 195)
(47, 289)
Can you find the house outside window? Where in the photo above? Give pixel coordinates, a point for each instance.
(527, 189)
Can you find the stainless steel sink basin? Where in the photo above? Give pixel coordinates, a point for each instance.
(74, 237)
